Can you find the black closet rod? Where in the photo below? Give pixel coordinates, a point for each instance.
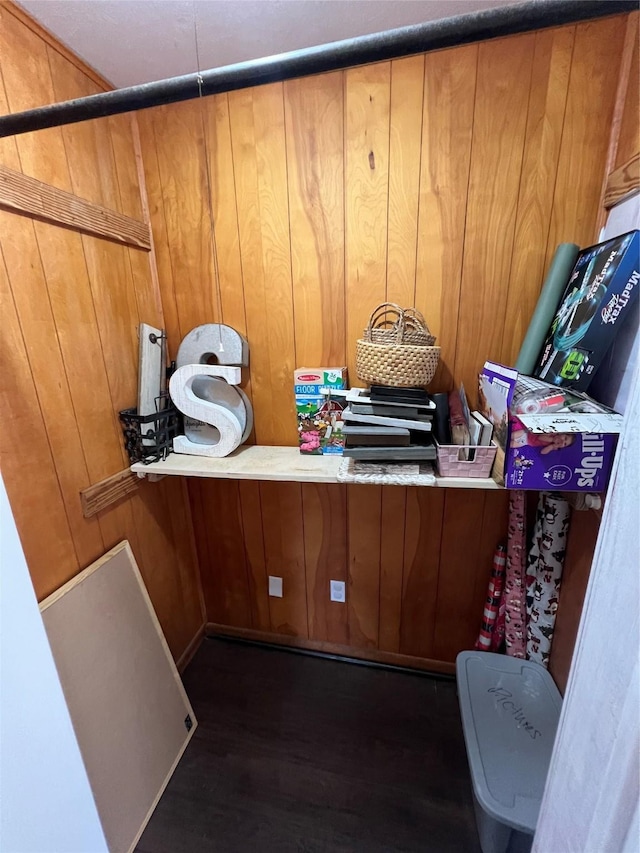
(420, 38)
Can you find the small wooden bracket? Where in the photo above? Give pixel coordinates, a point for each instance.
(104, 494)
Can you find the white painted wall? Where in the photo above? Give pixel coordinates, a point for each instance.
(46, 805)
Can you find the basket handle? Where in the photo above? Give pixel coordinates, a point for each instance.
(415, 320)
(379, 319)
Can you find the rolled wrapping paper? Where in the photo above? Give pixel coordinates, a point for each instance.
(561, 266)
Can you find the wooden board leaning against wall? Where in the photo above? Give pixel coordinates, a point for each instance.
(71, 304)
(443, 180)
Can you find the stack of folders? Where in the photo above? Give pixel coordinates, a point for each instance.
(384, 424)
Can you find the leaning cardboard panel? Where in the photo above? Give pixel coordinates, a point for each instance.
(129, 709)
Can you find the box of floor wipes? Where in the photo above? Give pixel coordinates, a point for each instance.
(320, 401)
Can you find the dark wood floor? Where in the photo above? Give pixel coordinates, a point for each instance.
(296, 753)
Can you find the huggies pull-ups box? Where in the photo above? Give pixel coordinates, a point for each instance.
(550, 438)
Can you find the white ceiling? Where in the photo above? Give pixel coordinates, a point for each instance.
(137, 41)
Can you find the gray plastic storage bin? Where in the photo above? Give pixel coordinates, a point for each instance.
(510, 710)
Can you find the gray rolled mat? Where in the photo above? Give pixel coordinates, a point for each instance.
(552, 290)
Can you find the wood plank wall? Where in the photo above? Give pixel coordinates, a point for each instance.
(627, 144)
(585, 526)
(71, 305)
(443, 180)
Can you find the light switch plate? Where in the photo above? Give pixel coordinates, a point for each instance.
(337, 590)
(275, 586)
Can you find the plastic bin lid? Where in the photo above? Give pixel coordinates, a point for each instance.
(510, 709)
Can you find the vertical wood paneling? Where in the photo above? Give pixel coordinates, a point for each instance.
(33, 308)
(74, 312)
(77, 326)
(367, 99)
(133, 201)
(88, 143)
(363, 591)
(423, 532)
(177, 607)
(585, 135)
(225, 214)
(452, 175)
(629, 137)
(407, 86)
(325, 549)
(27, 80)
(391, 567)
(27, 464)
(547, 104)
(314, 109)
(186, 210)
(254, 551)
(460, 553)
(257, 133)
(449, 93)
(504, 74)
(283, 531)
(494, 532)
(44, 156)
(155, 196)
(221, 551)
(192, 613)
(121, 132)
(581, 544)
(117, 313)
(71, 348)
(8, 148)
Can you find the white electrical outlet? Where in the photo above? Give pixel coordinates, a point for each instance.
(275, 586)
(337, 590)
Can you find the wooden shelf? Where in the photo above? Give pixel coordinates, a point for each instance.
(284, 464)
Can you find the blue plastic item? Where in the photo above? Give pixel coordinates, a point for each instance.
(510, 710)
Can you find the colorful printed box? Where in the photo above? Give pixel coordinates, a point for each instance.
(320, 400)
(550, 439)
(598, 299)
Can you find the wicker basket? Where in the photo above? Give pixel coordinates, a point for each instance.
(397, 348)
(390, 324)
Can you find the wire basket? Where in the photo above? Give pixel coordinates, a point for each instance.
(149, 438)
(397, 348)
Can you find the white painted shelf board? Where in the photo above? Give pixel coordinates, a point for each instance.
(284, 464)
(250, 462)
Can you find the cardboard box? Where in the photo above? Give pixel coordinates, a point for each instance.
(548, 453)
(320, 400)
(550, 439)
(601, 291)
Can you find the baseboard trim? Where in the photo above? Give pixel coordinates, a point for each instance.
(187, 655)
(374, 656)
